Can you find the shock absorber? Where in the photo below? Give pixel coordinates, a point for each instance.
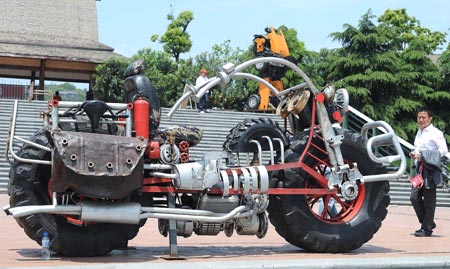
(141, 117)
(251, 179)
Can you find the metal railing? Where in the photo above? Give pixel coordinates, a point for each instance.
(355, 120)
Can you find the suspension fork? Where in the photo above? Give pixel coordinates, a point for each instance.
(331, 141)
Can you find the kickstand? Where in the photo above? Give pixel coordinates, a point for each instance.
(173, 247)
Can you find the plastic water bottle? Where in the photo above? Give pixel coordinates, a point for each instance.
(45, 247)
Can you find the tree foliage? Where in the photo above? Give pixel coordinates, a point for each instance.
(384, 62)
(109, 79)
(386, 68)
(176, 39)
(406, 29)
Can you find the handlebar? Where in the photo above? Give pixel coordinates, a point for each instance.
(230, 71)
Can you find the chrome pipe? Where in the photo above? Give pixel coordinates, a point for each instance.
(22, 211)
(73, 104)
(166, 175)
(178, 103)
(269, 140)
(157, 166)
(259, 80)
(281, 148)
(259, 150)
(176, 211)
(11, 137)
(39, 146)
(238, 212)
(11, 130)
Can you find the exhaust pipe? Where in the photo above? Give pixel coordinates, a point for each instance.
(22, 211)
(127, 213)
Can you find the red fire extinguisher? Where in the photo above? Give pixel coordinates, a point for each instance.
(141, 117)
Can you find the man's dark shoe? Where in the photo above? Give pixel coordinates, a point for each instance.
(422, 233)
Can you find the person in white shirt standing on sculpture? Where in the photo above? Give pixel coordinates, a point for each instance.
(428, 140)
(203, 103)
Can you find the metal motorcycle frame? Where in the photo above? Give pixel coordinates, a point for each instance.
(244, 188)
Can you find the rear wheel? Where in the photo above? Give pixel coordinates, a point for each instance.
(311, 221)
(70, 237)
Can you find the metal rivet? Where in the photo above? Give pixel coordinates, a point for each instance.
(73, 157)
(109, 165)
(64, 142)
(129, 161)
(90, 164)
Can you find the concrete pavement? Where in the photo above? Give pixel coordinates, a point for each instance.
(393, 246)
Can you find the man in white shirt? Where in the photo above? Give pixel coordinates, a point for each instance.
(423, 199)
(204, 101)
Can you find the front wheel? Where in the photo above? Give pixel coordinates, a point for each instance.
(328, 223)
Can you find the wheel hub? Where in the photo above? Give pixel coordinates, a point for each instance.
(349, 190)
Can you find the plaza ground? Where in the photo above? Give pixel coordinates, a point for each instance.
(393, 246)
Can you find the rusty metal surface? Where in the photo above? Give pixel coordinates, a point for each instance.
(394, 242)
(191, 134)
(113, 164)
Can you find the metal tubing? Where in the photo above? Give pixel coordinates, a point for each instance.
(11, 130)
(72, 104)
(297, 87)
(176, 211)
(128, 123)
(22, 211)
(178, 103)
(383, 139)
(156, 166)
(278, 61)
(11, 137)
(166, 175)
(269, 140)
(205, 87)
(88, 121)
(39, 146)
(225, 77)
(259, 150)
(281, 148)
(115, 212)
(258, 79)
(238, 212)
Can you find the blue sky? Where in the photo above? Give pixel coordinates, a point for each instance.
(128, 25)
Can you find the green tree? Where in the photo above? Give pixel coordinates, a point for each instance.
(441, 99)
(418, 77)
(163, 73)
(386, 68)
(176, 39)
(406, 29)
(109, 79)
(366, 66)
